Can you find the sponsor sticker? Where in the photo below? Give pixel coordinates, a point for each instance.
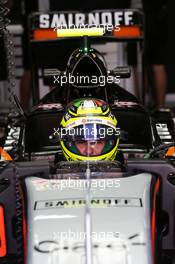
(94, 203)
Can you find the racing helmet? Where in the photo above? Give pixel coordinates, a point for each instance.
(89, 131)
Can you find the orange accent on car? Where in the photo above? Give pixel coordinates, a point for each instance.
(4, 155)
(118, 32)
(170, 152)
(153, 218)
(44, 34)
(127, 32)
(3, 246)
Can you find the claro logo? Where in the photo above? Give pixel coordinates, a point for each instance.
(4, 156)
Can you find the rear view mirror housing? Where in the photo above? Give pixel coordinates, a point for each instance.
(48, 75)
(121, 71)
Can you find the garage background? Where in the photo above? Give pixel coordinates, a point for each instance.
(115, 54)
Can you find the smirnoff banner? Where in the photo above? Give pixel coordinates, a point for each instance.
(122, 17)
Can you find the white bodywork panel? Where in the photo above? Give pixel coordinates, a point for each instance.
(120, 213)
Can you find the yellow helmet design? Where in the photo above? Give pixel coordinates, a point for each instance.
(89, 131)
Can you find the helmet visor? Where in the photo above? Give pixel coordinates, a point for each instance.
(91, 139)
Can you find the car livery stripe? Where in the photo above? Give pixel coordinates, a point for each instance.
(3, 246)
(153, 218)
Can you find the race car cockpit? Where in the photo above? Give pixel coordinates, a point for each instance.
(89, 208)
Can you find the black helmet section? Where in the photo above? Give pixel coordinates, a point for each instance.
(86, 67)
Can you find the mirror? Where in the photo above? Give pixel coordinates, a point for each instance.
(121, 71)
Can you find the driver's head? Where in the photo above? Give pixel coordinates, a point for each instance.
(88, 131)
(90, 148)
